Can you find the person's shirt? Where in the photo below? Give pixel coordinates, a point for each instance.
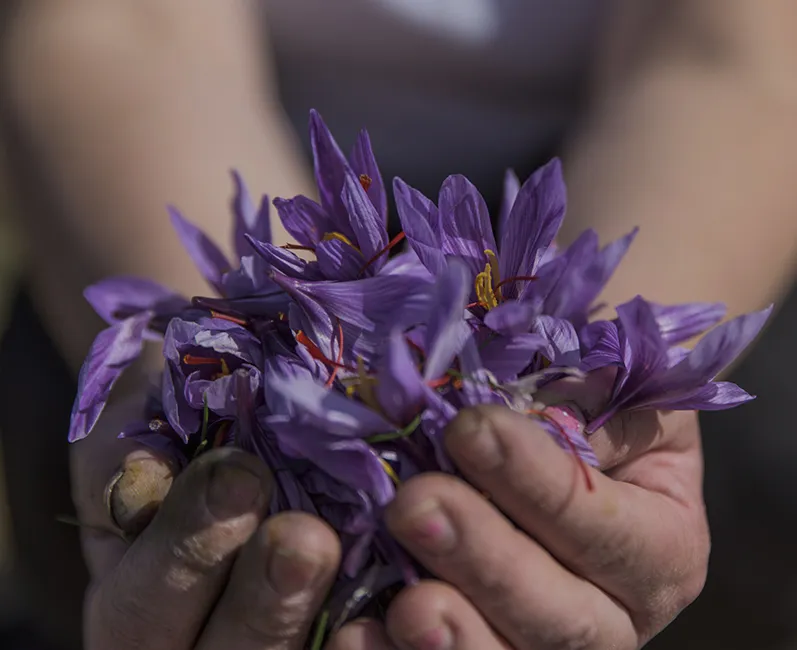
(443, 86)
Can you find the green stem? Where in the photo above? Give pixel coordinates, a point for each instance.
(395, 435)
(320, 630)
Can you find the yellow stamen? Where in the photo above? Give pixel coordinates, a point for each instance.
(225, 369)
(366, 387)
(390, 471)
(340, 237)
(488, 293)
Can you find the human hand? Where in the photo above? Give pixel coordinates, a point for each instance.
(548, 564)
(208, 573)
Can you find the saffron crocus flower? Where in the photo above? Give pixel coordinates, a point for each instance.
(347, 231)
(204, 360)
(651, 374)
(342, 372)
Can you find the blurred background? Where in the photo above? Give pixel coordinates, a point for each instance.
(447, 86)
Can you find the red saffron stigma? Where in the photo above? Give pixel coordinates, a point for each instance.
(218, 439)
(192, 360)
(582, 465)
(232, 319)
(314, 351)
(365, 181)
(439, 383)
(339, 359)
(517, 278)
(393, 242)
(297, 247)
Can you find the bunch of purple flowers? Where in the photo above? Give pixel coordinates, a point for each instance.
(342, 372)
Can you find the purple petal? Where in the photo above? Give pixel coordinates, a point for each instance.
(563, 347)
(207, 257)
(679, 323)
(352, 462)
(117, 298)
(279, 259)
(715, 351)
(511, 190)
(507, 356)
(328, 410)
(369, 228)
(418, 217)
(363, 162)
(184, 419)
(371, 304)
(330, 170)
(249, 220)
(338, 260)
(511, 318)
(601, 344)
(399, 390)
(714, 396)
(112, 352)
(465, 223)
(304, 219)
(446, 330)
(645, 351)
(534, 221)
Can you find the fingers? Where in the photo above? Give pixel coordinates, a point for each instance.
(277, 586)
(523, 592)
(363, 634)
(160, 594)
(434, 616)
(117, 486)
(612, 535)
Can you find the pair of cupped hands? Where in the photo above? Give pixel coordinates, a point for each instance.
(544, 563)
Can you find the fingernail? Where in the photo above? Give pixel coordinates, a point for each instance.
(429, 527)
(473, 441)
(232, 491)
(136, 491)
(439, 638)
(289, 571)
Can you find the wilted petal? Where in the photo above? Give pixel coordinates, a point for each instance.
(117, 298)
(112, 352)
(363, 162)
(419, 217)
(534, 221)
(207, 257)
(678, 323)
(465, 223)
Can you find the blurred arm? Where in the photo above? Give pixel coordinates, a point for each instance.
(696, 142)
(116, 109)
